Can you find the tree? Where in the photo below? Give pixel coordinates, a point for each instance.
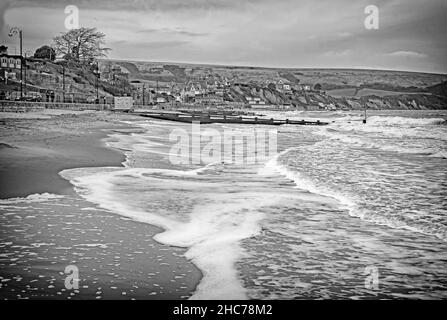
(45, 52)
(317, 87)
(82, 45)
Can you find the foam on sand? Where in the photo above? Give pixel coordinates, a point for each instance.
(32, 198)
(205, 213)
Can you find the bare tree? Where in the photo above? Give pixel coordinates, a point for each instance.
(81, 45)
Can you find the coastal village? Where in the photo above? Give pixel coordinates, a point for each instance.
(55, 81)
(94, 82)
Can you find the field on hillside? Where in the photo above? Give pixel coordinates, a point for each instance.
(330, 79)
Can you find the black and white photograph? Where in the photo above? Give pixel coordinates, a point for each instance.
(222, 150)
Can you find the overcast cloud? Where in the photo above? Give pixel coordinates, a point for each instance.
(276, 33)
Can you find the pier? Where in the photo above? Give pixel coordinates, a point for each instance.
(223, 117)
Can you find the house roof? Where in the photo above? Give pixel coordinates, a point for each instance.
(15, 56)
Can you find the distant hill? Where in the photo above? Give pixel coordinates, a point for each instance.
(337, 88)
(328, 78)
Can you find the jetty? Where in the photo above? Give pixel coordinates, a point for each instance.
(223, 117)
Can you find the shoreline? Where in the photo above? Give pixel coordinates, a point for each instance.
(32, 158)
(36, 150)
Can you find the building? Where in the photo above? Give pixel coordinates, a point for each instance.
(141, 92)
(209, 99)
(114, 74)
(254, 101)
(160, 99)
(306, 87)
(10, 65)
(156, 70)
(191, 90)
(10, 61)
(163, 90)
(282, 86)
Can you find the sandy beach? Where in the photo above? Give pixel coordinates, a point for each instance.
(35, 150)
(300, 224)
(220, 158)
(45, 226)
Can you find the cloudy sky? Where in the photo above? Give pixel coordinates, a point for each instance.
(272, 33)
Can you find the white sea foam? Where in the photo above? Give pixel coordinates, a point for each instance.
(32, 198)
(405, 121)
(210, 222)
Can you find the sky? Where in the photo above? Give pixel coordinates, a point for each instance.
(268, 33)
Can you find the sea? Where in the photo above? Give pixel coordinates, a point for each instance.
(349, 210)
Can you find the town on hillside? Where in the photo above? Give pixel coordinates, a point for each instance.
(68, 75)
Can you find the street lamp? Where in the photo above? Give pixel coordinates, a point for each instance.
(25, 66)
(18, 31)
(97, 80)
(63, 82)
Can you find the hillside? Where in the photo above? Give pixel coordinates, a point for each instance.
(338, 88)
(44, 77)
(310, 89)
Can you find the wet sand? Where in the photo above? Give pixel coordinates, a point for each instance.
(34, 151)
(116, 257)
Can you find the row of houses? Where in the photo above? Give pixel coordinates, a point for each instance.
(194, 89)
(10, 65)
(211, 89)
(195, 92)
(286, 87)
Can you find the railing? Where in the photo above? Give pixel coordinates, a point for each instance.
(26, 106)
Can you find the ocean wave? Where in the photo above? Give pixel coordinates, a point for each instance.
(274, 165)
(354, 204)
(405, 121)
(427, 143)
(378, 129)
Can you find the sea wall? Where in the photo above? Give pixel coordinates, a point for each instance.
(24, 106)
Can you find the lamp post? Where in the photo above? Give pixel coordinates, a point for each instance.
(63, 83)
(97, 80)
(18, 31)
(25, 66)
